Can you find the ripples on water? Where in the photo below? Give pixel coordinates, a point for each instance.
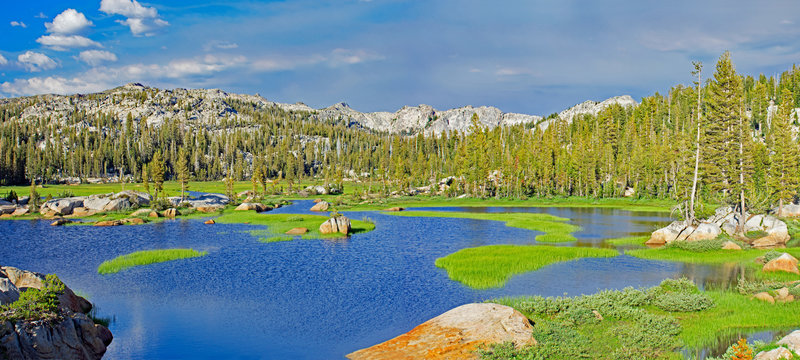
(309, 299)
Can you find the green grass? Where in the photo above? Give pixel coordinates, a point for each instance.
(491, 266)
(733, 313)
(630, 240)
(146, 257)
(705, 257)
(647, 205)
(278, 224)
(556, 229)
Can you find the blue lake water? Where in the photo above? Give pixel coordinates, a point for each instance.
(308, 299)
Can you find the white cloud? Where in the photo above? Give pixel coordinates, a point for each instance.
(3, 60)
(18, 23)
(41, 15)
(217, 44)
(141, 20)
(51, 85)
(64, 42)
(70, 21)
(127, 8)
(33, 61)
(508, 71)
(336, 58)
(96, 57)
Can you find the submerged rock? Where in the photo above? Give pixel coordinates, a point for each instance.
(785, 262)
(455, 334)
(338, 224)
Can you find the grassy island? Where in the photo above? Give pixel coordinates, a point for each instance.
(491, 266)
(279, 224)
(146, 257)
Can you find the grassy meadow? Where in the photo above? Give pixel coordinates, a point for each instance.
(278, 224)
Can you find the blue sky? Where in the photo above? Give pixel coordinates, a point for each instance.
(534, 57)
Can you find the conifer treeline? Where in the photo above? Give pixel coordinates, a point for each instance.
(652, 148)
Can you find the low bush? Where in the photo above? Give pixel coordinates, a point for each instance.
(35, 304)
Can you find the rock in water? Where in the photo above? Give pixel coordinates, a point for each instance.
(395, 209)
(321, 206)
(338, 224)
(108, 223)
(210, 222)
(258, 207)
(455, 334)
(784, 262)
(171, 213)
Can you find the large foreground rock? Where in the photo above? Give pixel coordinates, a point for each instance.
(785, 262)
(338, 224)
(455, 334)
(258, 207)
(777, 233)
(791, 341)
(789, 210)
(73, 335)
(137, 198)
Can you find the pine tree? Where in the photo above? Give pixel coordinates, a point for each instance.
(157, 172)
(183, 172)
(784, 178)
(723, 105)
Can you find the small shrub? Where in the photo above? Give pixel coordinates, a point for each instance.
(368, 220)
(741, 351)
(771, 255)
(36, 304)
(683, 302)
(294, 218)
(65, 194)
(11, 196)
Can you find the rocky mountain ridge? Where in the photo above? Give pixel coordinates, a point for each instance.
(206, 107)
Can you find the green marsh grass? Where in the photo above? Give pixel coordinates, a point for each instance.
(647, 205)
(555, 229)
(278, 224)
(491, 266)
(146, 257)
(630, 240)
(705, 257)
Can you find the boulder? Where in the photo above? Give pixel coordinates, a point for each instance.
(4, 202)
(788, 210)
(153, 214)
(24, 279)
(321, 206)
(780, 353)
(73, 335)
(395, 209)
(317, 200)
(118, 205)
(784, 262)
(60, 222)
(210, 222)
(7, 209)
(82, 211)
(108, 223)
(142, 212)
(777, 231)
(96, 202)
(629, 191)
(456, 334)
(135, 197)
(338, 224)
(210, 208)
(792, 341)
(64, 206)
(133, 221)
(171, 213)
(730, 245)
(782, 295)
(209, 200)
(763, 296)
(8, 291)
(680, 231)
(297, 231)
(20, 211)
(247, 206)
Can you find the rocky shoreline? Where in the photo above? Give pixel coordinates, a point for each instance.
(66, 333)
